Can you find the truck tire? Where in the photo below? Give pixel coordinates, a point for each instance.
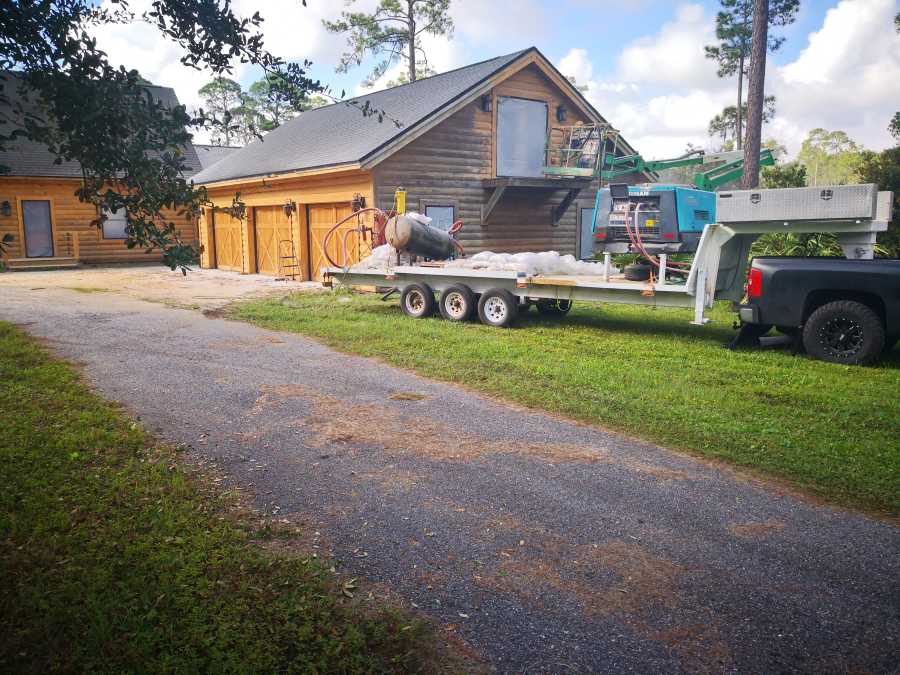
(457, 303)
(844, 331)
(417, 301)
(498, 307)
(553, 307)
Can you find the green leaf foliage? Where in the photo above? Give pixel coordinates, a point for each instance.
(883, 168)
(830, 157)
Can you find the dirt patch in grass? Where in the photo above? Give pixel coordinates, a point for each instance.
(755, 530)
(334, 422)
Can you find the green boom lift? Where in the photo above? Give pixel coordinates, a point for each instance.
(582, 151)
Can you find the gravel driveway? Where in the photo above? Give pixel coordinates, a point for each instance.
(548, 546)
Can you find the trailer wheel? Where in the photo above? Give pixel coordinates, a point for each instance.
(457, 303)
(554, 307)
(844, 331)
(417, 301)
(498, 307)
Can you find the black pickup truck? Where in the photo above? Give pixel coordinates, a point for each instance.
(838, 310)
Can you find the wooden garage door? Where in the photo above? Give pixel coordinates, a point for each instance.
(273, 240)
(322, 218)
(228, 242)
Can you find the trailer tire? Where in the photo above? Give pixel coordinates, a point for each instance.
(457, 303)
(417, 301)
(553, 307)
(844, 331)
(498, 307)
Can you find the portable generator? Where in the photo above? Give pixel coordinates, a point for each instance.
(660, 218)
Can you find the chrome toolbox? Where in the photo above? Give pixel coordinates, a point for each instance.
(837, 202)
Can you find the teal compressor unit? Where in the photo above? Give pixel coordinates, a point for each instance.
(656, 218)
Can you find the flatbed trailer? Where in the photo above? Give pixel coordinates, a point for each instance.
(855, 213)
(611, 286)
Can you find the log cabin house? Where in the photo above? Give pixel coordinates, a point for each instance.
(49, 225)
(468, 144)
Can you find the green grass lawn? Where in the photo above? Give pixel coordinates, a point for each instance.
(832, 430)
(114, 559)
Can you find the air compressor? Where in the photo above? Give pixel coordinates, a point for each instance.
(653, 218)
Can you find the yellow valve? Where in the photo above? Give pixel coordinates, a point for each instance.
(650, 222)
(400, 200)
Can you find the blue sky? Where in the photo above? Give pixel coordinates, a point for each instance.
(641, 59)
(601, 27)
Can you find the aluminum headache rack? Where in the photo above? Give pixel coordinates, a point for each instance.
(856, 213)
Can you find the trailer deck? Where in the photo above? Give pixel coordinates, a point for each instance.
(613, 287)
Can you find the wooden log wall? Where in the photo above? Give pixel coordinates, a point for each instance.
(74, 217)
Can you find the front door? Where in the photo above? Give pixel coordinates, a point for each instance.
(38, 228)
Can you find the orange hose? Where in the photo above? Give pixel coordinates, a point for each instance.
(360, 229)
(640, 244)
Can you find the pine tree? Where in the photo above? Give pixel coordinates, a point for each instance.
(392, 33)
(734, 32)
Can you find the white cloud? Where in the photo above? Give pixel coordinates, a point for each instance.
(847, 77)
(674, 56)
(577, 64)
(665, 90)
(504, 26)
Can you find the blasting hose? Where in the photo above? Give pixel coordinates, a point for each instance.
(377, 232)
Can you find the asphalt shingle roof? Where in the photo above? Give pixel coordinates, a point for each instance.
(24, 157)
(340, 134)
(210, 154)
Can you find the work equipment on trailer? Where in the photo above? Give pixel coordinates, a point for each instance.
(406, 232)
(591, 151)
(410, 233)
(718, 271)
(650, 218)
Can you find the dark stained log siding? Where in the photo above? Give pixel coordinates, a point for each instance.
(447, 164)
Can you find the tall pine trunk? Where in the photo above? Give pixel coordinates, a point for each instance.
(739, 126)
(412, 40)
(756, 93)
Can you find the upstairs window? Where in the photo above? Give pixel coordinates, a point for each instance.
(521, 137)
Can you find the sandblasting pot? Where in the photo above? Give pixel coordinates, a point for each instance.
(408, 234)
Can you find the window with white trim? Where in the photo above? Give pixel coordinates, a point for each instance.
(442, 216)
(114, 225)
